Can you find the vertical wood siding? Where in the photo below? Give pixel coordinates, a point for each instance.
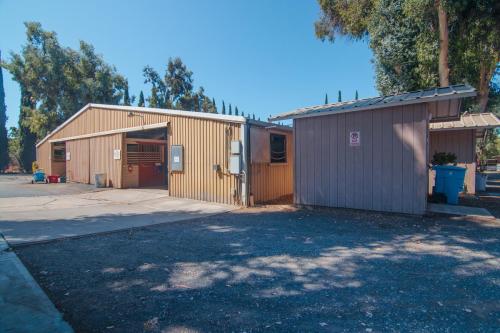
(269, 181)
(44, 157)
(102, 161)
(463, 144)
(387, 172)
(78, 166)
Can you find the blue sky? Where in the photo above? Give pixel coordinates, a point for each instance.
(260, 55)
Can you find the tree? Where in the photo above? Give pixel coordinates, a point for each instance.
(339, 99)
(126, 97)
(326, 98)
(214, 105)
(422, 43)
(223, 107)
(356, 97)
(236, 112)
(57, 81)
(242, 113)
(4, 144)
(230, 110)
(141, 100)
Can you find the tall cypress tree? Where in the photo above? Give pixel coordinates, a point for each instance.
(141, 99)
(326, 98)
(230, 110)
(236, 112)
(126, 96)
(356, 96)
(27, 139)
(4, 145)
(214, 105)
(340, 96)
(223, 108)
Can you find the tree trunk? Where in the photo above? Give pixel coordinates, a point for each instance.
(444, 69)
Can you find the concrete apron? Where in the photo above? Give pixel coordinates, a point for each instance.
(24, 307)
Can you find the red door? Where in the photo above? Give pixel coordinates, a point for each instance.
(151, 174)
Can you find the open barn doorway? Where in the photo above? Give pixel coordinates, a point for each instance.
(146, 159)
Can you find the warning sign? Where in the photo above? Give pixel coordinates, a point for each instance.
(354, 139)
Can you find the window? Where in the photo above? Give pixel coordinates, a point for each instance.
(59, 152)
(278, 148)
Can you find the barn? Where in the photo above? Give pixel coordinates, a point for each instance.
(212, 157)
(373, 153)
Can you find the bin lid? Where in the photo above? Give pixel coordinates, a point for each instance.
(447, 167)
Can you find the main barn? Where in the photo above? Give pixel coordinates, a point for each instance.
(212, 157)
(372, 153)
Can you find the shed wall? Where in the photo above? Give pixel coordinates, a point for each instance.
(44, 157)
(78, 165)
(269, 181)
(463, 144)
(386, 172)
(102, 161)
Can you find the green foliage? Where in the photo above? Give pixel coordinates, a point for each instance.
(141, 102)
(326, 98)
(4, 145)
(175, 90)
(356, 97)
(339, 98)
(404, 37)
(14, 143)
(230, 109)
(126, 97)
(236, 112)
(223, 108)
(443, 158)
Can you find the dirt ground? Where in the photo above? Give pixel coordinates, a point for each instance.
(279, 269)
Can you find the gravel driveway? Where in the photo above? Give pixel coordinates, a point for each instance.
(278, 269)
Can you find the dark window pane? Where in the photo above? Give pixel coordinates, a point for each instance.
(278, 148)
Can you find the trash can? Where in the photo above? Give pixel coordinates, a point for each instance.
(100, 180)
(62, 179)
(481, 179)
(449, 181)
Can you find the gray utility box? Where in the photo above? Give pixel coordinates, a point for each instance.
(235, 164)
(177, 158)
(235, 147)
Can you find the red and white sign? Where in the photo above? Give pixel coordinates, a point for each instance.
(355, 139)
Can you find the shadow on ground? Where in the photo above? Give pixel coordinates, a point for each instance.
(278, 269)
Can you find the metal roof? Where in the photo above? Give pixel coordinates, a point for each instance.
(468, 121)
(413, 97)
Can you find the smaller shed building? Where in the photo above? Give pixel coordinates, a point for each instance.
(371, 153)
(459, 137)
(211, 157)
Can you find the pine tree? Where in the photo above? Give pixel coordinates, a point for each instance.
(242, 113)
(126, 96)
(230, 110)
(141, 99)
(356, 95)
(326, 98)
(214, 105)
(236, 112)
(27, 139)
(340, 96)
(223, 108)
(4, 145)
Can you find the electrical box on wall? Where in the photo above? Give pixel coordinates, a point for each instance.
(235, 164)
(235, 147)
(177, 158)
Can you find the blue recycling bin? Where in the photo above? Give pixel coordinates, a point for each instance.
(449, 181)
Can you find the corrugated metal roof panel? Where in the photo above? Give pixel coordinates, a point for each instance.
(420, 96)
(468, 121)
